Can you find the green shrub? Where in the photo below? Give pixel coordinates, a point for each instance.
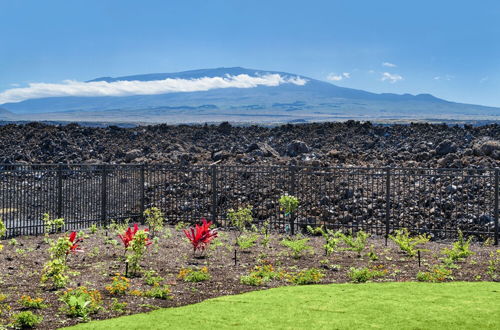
(137, 247)
(288, 204)
(117, 306)
(331, 237)
(32, 303)
(151, 279)
(81, 302)
(26, 320)
(246, 242)
(297, 245)
(154, 219)
(308, 276)
(362, 275)
(159, 292)
(357, 244)
(436, 274)
(194, 275)
(240, 218)
(3, 228)
(408, 244)
(493, 268)
(251, 280)
(459, 251)
(52, 225)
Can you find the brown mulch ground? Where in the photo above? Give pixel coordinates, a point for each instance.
(22, 264)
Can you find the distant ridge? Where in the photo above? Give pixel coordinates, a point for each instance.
(313, 101)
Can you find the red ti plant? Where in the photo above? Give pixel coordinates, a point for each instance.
(74, 247)
(201, 236)
(129, 234)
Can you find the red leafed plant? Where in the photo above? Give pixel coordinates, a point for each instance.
(129, 234)
(74, 243)
(200, 236)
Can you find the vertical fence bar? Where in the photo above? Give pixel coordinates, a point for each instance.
(214, 194)
(59, 191)
(104, 195)
(142, 192)
(293, 170)
(496, 204)
(387, 202)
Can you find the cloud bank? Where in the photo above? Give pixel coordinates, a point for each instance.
(127, 88)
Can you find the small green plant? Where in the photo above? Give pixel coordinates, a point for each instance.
(265, 233)
(260, 275)
(436, 274)
(298, 246)
(52, 225)
(3, 228)
(357, 244)
(194, 275)
(55, 272)
(493, 269)
(408, 244)
(331, 237)
(4, 307)
(362, 275)
(138, 246)
(240, 218)
(459, 251)
(32, 303)
(154, 219)
(371, 254)
(81, 302)
(251, 280)
(26, 320)
(167, 233)
(118, 307)
(159, 292)
(246, 242)
(181, 225)
(307, 276)
(119, 285)
(151, 278)
(93, 229)
(288, 204)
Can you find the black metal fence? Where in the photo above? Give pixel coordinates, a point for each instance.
(377, 200)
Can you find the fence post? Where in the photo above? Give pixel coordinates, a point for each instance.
(104, 195)
(143, 193)
(214, 194)
(59, 191)
(387, 202)
(496, 204)
(293, 169)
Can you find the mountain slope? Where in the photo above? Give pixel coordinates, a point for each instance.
(314, 101)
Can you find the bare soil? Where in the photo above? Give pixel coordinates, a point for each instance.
(22, 264)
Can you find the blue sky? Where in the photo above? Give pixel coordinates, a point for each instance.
(447, 48)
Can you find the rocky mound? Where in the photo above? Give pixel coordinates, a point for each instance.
(319, 144)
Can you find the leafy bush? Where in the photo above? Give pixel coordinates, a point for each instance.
(240, 218)
(331, 237)
(32, 303)
(137, 249)
(308, 276)
(3, 231)
(52, 225)
(436, 274)
(357, 244)
(459, 251)
(55, 268)
(297, 245)
(260, 275)
(154, 219)
(151, 279)
(119, 285)
(288, 204)
(408, 244)
(246, 242)
(362, 275)
(159, 292)
(201, 235)
(194, 275)
(81, 302)
(251, 280)
(117, 306)
(26, 320)
(493, 268)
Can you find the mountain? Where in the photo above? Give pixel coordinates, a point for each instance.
(314, 100)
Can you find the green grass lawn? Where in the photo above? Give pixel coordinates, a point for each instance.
(409, 305)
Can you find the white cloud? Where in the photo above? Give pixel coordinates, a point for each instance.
(125, 88)
(391, 77)
(339, 77)
(445, 77)
(389, 64)
(484, 79)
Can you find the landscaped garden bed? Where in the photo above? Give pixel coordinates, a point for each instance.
(67, 278)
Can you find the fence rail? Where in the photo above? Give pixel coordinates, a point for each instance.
(378, 200)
